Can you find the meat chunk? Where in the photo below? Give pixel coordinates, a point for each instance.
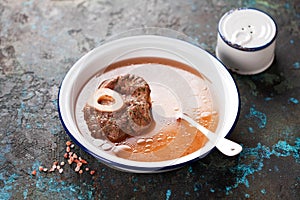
(132, 119)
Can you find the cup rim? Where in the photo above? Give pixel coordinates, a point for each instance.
(239, 47)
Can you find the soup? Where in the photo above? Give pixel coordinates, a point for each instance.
(175, 87)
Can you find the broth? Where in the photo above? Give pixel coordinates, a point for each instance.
(175, 87)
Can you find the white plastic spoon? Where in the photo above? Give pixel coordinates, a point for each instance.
(227, 147)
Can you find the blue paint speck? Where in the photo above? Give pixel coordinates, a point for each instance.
(287, 6)
(257, 155)
(168, 194)
(4, 150)
(296, 65)
(262, 118)
(25, 192)
(8, 188)
(263, 191)
(187, 193)
(39, 125)
(292, 41)
(20, 113)
(190, 169)
(55, 102)
(50, 185)
(197, 187)
(247, 195)
(212, 190)
(294, 100)
(28, 126)
(268, 98)
(134, 179)
(251, 130)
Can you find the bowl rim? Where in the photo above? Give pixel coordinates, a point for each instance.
(138, 166)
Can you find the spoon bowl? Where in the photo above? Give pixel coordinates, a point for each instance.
(227, 147)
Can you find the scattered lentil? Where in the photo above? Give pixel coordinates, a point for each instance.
(77, 168)
(41, 168)
(71, 158)
(92, 172)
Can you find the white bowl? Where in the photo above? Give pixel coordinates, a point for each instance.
(220, 82)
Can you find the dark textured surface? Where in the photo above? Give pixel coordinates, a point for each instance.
(41, 40)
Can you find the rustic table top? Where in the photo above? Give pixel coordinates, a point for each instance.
(41, 40)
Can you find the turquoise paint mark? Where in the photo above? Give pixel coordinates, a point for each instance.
(168, 194)
(55, 102)
(28, 126)
(4, 150)
(187, 193)
(250, 3)
(294, 100)
(268, 98)
(212, 190)
(247, 196)
(283, 149)
(20, 114)
(112, 181)
(262, 117)
(287, 5)
(25, 192)
(56, 129)
(9, 186)
(39, 125)
(251, 130)
(190, 169)
(263, 191)
(134, 179)
(61, 189)
(292, 41)
(257, 155)
(296, 65)
(197, 187)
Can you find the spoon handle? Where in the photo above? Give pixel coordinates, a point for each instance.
(227, 147)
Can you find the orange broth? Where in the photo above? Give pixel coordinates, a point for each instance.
(168, 138)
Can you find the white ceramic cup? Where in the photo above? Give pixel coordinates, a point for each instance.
(246, 40)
